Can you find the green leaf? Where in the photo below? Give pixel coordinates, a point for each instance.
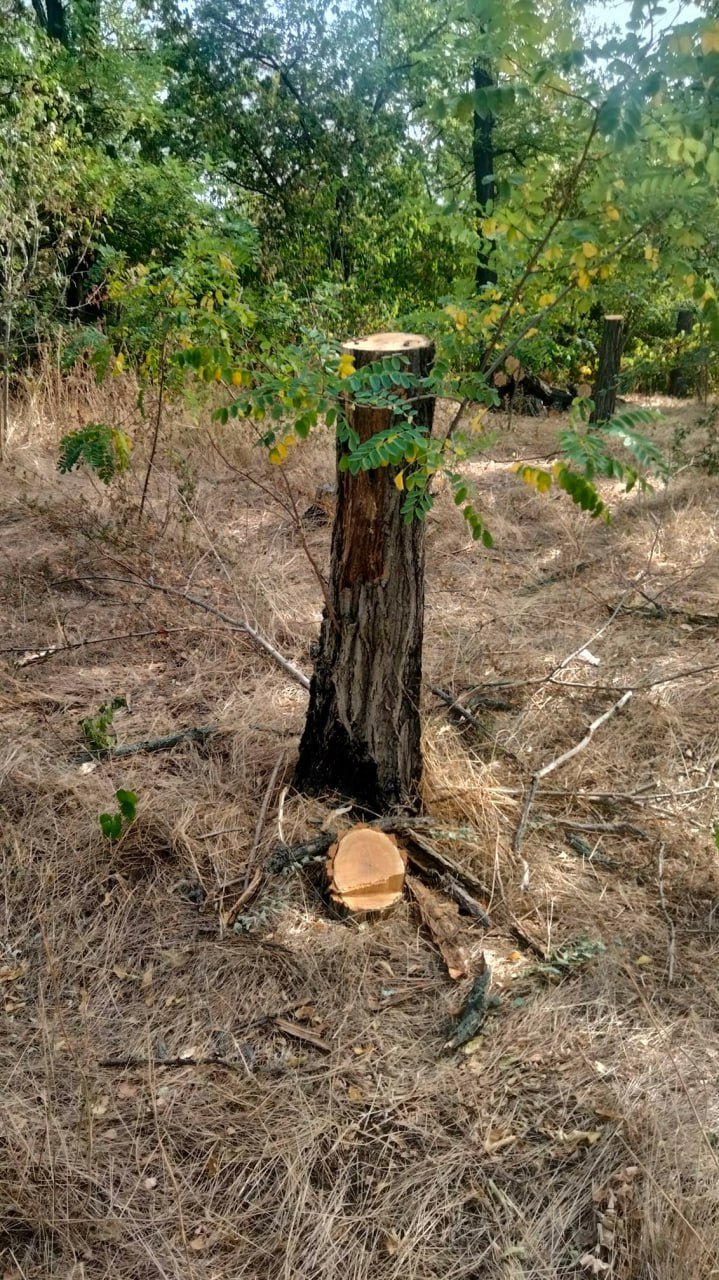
(127, 800)
(111, 825)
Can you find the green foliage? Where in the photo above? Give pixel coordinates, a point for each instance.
(113, 825)
(97, 730)
(587, 456)
(105, 450)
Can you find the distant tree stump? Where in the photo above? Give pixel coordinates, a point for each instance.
(610, 358)
(362, 733)
(678, 380)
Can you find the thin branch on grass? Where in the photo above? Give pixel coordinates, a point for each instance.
(165, 743)
(30, 656)
(550, 768)
(280, 763)
(235, 624)
(248, 893)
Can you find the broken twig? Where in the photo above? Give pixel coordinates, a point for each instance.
(550, 768)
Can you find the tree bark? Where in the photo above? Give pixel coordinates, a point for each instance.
(483, 166)
(678, 380)
(362, 733)
(610, 357)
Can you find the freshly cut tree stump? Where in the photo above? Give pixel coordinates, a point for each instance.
(366, 870)
(362, 735)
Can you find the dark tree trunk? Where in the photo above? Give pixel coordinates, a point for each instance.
(362, 734)
(678, 380)
(52, 18)
(483, 166)
(610, 358)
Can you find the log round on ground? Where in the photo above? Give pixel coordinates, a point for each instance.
(366, 870)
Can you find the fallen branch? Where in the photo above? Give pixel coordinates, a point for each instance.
(164, 743)
(655, 609)
(235, 624)
(557, 764)
(30, 656)
(474, 1010)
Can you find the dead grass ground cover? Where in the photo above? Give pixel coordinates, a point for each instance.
(583, 1126)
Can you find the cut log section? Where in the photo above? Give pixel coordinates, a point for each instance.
(366, 870)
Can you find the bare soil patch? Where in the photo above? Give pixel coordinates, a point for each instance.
(158, 1120)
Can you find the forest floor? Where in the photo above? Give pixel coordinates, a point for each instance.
(156, 1120)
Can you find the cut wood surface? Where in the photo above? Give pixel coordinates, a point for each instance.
(366, 870)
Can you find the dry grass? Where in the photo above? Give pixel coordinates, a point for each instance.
(585, 1120)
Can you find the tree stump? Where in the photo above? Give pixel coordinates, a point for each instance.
(366, 870)
(610, 357)
(678, 379)
(362, 733)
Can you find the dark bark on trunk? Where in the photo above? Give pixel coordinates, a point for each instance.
(483, 165)
(678, 379)
(56, 26)
(362, 733)
(610, 357)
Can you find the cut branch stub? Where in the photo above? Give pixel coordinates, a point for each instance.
(366, 870)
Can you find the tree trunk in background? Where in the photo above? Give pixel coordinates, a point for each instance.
(610, 358)
(52, 18)
(483, 166)
(362, 734)
(678, 380)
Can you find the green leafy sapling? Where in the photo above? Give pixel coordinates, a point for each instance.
(98, 730)
(113, 825)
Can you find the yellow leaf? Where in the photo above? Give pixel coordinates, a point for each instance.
(583, 280)
(399, 481)
(218, 374)
(278, 454)
(612, 213)
(346, 365)
(710, 40)
(460, 319)
(489, 227)
(690, 280)
(650, 253)
(531, 333)
(643, 961)
(534, 477)
(546, 299)
(237, 377)
(589, 250)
